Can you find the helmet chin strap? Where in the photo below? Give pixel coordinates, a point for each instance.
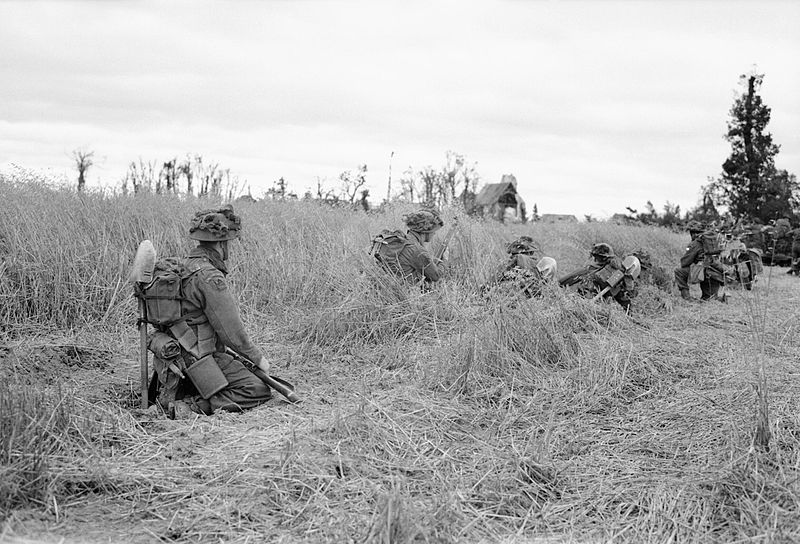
(224, 247)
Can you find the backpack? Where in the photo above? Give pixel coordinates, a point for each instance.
(387, 245)
(163, 295)
(711, 243)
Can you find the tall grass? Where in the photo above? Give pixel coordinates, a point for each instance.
(440, 416)
(39, 429)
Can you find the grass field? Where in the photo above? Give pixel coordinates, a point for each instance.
(436, 417)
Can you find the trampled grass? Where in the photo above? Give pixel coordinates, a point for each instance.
(427, 417)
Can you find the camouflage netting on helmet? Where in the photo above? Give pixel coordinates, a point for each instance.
(524, 245)
(695, 226)
(215, 225)
(424, 220)
(602, 250)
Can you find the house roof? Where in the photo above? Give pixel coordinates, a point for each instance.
(492, 192)
(552, 217)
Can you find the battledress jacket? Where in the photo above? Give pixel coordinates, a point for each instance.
(219, 325)
(587, 271)
(694, 253)
(416, 263)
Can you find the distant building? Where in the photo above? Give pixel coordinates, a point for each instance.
(501, 201)
(622, 219)
(558, 218)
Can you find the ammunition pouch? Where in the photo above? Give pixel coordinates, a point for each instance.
(610, 276)
(206, 376)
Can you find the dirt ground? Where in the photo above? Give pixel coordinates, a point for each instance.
(235, 467)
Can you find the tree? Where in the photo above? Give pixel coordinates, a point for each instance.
(278, 189)
(83, 161)
(351, 183)
(706, 211)
(750, 185)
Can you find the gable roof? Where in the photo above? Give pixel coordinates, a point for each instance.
(492, 192)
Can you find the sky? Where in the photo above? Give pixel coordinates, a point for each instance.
(592, 105)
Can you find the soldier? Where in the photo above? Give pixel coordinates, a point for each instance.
(708, 270)
(652, 274)
(591, 278)
(209, 323)
(795, 267)
(407, 255)
(523, 271)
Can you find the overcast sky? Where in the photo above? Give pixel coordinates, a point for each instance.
(592, 105)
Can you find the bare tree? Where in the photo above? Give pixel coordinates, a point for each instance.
(351, 183)
(142, 176)
(430, 182)
(169, 173)
(83, 161)
(408, 184)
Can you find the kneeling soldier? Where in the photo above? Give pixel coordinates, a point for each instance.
(205, 334)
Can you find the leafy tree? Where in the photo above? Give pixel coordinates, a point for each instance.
(750, 185)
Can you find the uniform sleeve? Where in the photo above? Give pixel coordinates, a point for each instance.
(692, 255)
(223, 316)
(422, 263)
(428, 268)
(573, 277)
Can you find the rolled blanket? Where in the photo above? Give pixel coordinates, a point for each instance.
(163, 346)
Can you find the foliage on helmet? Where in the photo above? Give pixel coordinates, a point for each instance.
(602, 250)
(695, 226)
(522, 245)
(424, 221)
(215, 225)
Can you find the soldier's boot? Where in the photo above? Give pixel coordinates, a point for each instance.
(180, 410)
(685, 294)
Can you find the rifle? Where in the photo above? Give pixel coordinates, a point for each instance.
(142, 273)
(446, 242)
(281, 386)
(612, 278)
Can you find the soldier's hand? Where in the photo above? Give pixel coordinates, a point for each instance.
(263, 364)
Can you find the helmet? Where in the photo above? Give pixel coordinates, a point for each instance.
(695, 226)
(524, 245)
(602, 250)
(547, 267)
(215, 225)
(425, 220)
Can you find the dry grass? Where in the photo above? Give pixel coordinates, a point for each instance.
(435, 417)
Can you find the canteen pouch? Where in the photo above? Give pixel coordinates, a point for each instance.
(206, 376)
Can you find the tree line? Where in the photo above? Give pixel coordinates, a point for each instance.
(750, 187)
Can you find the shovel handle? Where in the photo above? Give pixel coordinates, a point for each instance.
(601, 293)
(143, 378)
(281, 388)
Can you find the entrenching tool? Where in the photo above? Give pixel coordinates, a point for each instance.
(632, 268)
(142, 273)
(281, 386)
